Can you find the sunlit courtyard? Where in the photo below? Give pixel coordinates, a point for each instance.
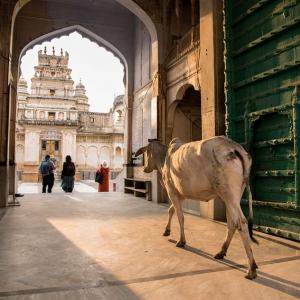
(89, 245)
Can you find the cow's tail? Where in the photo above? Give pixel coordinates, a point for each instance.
(246, 162)
(250, 217)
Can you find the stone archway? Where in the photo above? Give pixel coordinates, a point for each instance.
(184, 122)
(128, 4)
(86, 33)
(12, 73)
(184, 115)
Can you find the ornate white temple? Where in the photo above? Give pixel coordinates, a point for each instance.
(54, 119)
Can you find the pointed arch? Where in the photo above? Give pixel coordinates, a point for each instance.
(85, 33)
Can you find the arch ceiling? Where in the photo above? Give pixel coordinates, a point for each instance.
(129, 4)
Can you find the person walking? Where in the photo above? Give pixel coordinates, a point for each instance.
(104, 171)
(47, 170)
(67, 175)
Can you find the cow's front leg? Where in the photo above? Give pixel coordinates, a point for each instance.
(168, 227)
(181, 243)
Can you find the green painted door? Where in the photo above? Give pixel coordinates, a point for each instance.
(262, 63)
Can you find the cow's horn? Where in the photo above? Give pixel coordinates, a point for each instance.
(140, 151)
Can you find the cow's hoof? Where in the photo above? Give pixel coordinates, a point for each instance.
(167, 232)
(180, 244)
(220, 255)
(251, 275)
(252, 272)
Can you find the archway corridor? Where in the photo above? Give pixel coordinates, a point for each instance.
(94, 246)
(132, 38)
(149, 40)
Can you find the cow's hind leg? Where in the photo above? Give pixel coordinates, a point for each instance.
(230, 232)
(242, 225)
(238, 221)
(168, 227)
(244, 232)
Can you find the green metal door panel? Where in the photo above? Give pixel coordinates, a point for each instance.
(262, 62)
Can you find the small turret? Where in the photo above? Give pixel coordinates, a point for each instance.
(80, 89)
(80, 96)
(22, 89)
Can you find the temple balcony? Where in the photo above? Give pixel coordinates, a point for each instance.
(187, 43)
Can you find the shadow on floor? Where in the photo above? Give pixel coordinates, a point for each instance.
(263, 278)
(45, 261)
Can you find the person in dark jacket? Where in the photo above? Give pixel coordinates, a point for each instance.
(47, 170)
(67, 175)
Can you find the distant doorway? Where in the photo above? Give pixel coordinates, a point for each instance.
(52, 148)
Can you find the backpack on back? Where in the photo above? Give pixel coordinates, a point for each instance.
(45, 168)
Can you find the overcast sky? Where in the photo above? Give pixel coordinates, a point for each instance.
(100, 71)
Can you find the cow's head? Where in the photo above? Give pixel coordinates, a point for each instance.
(153, 155)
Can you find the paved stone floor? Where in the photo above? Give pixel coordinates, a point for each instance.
(109, 246)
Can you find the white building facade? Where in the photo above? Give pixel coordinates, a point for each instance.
(54, 119)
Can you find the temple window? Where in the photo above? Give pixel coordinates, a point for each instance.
(51, 116)
(44, 145)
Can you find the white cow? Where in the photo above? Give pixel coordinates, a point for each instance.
(204, 170)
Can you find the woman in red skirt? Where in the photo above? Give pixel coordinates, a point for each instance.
(104, 170)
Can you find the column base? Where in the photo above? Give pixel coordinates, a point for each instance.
(30, 172)
(12, 179)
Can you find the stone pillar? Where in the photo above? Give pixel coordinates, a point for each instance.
(12, 150)
(31, 155)
(69, 145)
(128, 136)
(5, 31)
(212, 84)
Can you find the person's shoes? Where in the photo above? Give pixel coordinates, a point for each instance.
(19, 195)
(43, 192)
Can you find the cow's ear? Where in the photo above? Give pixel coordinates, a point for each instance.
(140, 151)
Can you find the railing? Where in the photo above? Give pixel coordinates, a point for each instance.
(49, 122)
(51, 97)
(99, 129)
(187, 43)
